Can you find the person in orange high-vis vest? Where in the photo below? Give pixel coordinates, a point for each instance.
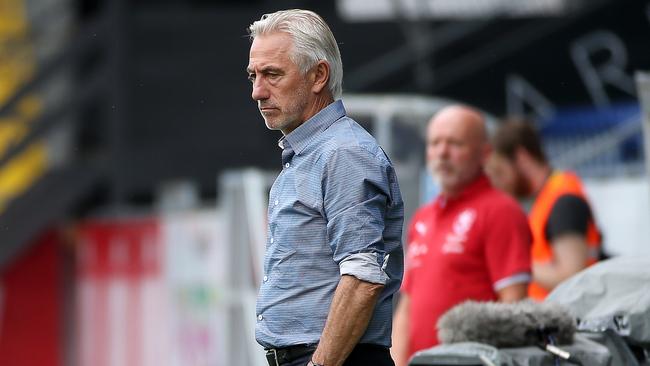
(565, 236)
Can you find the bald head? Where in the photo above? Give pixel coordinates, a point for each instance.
(468, 121)
(457, 147)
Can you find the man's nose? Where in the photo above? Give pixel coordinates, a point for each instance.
(442, 149)
(260, 91)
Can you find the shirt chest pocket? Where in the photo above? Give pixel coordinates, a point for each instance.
(282, 274)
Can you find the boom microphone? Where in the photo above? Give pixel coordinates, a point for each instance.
(521, 324)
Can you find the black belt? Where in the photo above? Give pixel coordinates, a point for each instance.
(280, 356)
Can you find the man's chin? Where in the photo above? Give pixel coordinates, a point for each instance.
(449, 183)
(271, 125)
(440, 180)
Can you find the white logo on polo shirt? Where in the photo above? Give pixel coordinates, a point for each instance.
(417, 248)
(415, 251)
(455, 240)
(421, 227)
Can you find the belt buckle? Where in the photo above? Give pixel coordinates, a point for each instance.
(275, 356)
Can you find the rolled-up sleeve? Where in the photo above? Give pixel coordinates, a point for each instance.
(366, 267)
(356, 186)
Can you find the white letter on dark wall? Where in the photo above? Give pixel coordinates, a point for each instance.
(611, 72)
(519, 93)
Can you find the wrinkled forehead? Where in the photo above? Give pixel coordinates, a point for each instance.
(270, 50)
(271, 44)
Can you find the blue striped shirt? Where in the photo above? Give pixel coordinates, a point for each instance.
(335, 209)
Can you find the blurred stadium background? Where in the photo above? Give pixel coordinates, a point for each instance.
(134, 165)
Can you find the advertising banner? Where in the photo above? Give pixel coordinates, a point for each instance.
(151, 291)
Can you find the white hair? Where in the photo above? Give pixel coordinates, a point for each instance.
(313, 41)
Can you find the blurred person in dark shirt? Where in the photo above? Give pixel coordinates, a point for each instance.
(565, 237)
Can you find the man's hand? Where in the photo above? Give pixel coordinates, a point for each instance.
(352, 307)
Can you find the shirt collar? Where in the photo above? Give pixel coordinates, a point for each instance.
(299, 138)
(476, 186)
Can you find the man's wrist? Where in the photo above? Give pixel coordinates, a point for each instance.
(317, 358)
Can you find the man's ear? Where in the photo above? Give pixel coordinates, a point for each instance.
(486, 152)
(522, 157)
(321, 76)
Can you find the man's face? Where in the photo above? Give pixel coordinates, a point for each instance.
(455, 150)
(504, 175)
(281, 91)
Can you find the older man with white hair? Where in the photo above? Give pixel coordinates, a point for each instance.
(334, 253)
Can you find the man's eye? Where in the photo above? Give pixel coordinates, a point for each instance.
(251, 77)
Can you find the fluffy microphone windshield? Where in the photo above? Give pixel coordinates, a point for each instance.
(506, 325)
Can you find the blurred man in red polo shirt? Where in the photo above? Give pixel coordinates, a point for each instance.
(471, 242)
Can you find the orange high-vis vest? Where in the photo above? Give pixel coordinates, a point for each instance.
(558, 184)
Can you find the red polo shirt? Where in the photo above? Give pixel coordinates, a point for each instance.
(466, 247)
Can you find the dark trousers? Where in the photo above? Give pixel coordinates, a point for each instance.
(361, 355)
